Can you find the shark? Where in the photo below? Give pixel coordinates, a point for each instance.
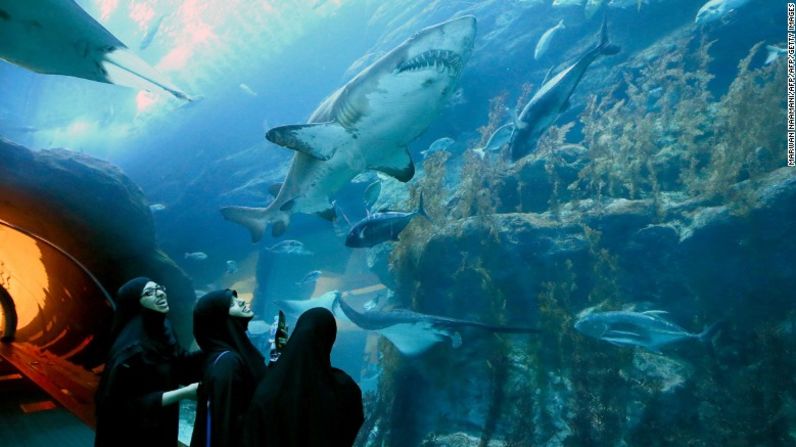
(367, 124)
(553, 98)
(412, 333)
(58, 37)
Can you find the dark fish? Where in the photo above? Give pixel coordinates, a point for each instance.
(553, 98)
(381, 227)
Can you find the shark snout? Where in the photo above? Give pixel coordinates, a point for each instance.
(456, 35)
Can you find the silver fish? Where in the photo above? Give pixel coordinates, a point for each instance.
(289, 247)
(196, 256)
(649, 329)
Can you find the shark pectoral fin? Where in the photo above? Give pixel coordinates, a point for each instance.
(655, 313)
(319, 141)
(399, 165)
(274, 189)
(251, 218)
(123, 67)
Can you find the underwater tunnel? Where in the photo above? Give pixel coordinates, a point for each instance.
(72, 230)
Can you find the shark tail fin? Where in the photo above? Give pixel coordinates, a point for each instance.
(421, 209)
(251, 218)
(605, 47)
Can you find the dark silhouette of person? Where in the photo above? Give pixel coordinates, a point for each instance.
(303, 401)
(140, 385)
(232, 368)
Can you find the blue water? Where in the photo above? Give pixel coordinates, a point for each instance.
(252, 66)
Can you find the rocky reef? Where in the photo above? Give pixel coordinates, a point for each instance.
(659, 196)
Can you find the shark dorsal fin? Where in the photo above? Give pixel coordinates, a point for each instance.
(319, 141)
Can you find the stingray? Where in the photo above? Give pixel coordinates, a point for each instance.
(412, 333)
(59, 37)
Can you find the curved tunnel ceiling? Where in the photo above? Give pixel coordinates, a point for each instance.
(60, 306)
(72, 227)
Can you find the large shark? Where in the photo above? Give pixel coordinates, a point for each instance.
(365, 125)
(412, 333)
(553, 98)
(58, 37)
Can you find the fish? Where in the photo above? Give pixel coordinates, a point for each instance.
(499, 138)
(382, 227)
(774, 53)
(155, 207)
(438, 145)
(58, 37)
(150, 33)
(289, 247)
(553, 98)
(372, 193)
(196, 256)
(567, 3)
(231, 267)
(367, 124)
(248, 90)
(310, 278)
(648, 329)
(414, 333)
(715, 10)
(544, 41)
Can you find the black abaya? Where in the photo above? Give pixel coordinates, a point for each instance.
(304, 401)
(231, 371)
(145, 361)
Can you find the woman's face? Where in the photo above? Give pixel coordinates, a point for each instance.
(153, 297)
(239, 308)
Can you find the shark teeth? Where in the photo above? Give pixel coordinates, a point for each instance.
(441, 60)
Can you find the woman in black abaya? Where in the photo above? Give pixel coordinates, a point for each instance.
(232, 369)
(140, 386)
(304, 401)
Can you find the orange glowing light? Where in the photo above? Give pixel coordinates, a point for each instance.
(22, 274)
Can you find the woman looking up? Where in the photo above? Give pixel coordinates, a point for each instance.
(232, 368)
(140, 385)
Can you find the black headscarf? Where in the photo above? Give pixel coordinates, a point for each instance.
(216, 330)
(303, 401)
(137, 328)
